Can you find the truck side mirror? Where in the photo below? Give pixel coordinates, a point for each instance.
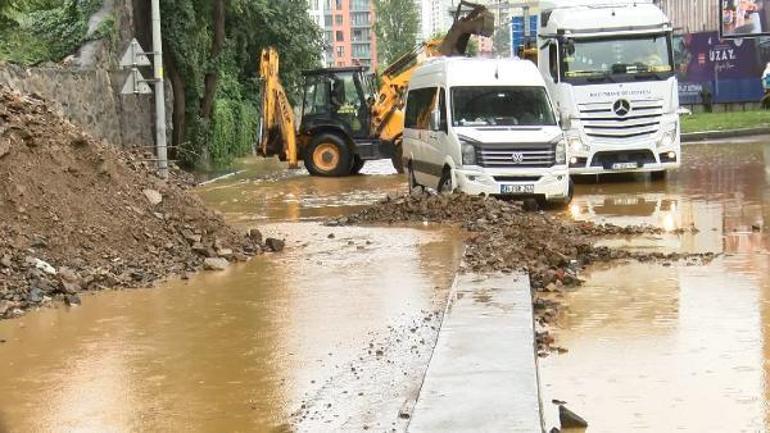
(435, 120)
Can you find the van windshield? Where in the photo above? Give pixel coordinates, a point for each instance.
(501, 106)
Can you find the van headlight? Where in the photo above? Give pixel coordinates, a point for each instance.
(668, 138)
(561, 152)
(468, 153)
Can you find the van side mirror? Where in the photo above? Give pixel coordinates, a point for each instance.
(435, 120)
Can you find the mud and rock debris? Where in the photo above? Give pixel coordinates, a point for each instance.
(503, 237)
(76, 214)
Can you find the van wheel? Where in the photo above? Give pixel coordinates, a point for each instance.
(414, 186)
(445, 185)
(358, 164)
(328, 156)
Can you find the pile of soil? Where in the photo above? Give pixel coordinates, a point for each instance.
(503, 237)
(76, 214)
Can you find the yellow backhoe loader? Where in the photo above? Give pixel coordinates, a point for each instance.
(345, 120)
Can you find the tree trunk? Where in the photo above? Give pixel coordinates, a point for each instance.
(212, 77)
(178, 117)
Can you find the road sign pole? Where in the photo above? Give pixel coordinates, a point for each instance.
(160, 95)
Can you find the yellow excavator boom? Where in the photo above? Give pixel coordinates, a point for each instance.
(387, 111)
(278, 126)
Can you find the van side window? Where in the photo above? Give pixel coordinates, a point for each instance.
(553, 61)
(444, 125)
(419, 104)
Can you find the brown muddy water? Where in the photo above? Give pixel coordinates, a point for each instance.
(671, 347)
(333, 335)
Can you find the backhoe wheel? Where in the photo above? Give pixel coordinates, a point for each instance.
(398, 156)
(328, 156)
(358, 164)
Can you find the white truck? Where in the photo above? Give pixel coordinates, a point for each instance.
(609, 66)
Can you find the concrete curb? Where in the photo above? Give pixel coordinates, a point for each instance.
(483, 374)
(694, 137)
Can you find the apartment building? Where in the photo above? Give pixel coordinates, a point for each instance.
(348, 34)
(692, 16)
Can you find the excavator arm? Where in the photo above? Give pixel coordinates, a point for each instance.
(387, 111)
(277, 131)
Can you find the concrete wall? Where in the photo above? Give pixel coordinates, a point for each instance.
(85, 87)
(90, 99)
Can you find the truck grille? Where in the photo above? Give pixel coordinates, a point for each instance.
(525, 155)
(601, 122)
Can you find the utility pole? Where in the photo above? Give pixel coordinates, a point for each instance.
(160, 95)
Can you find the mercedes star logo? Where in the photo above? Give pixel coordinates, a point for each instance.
(517, 157)
(621, 107)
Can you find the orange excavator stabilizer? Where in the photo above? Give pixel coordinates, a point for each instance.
(277, 127)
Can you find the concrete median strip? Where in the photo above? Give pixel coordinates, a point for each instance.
(483, 374)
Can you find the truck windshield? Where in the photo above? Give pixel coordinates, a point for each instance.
(646, 57)
(501, 106)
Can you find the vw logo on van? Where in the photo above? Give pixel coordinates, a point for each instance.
(621, 107)
(517, 157)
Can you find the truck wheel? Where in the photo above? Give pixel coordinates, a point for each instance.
(328, 156)
(398, 157)
(358, 164)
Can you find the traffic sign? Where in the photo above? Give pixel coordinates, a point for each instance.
(134, 56)
(136, 84)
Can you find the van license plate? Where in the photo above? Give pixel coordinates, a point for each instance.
(517, 189)
(624, 165)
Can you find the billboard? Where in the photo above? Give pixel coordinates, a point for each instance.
(744, 18)
(730, 70)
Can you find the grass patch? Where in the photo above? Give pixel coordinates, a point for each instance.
(725, 121)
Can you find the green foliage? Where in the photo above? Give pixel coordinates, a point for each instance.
(396, 26)
(250, 26)
(43, 30)
(501, 41)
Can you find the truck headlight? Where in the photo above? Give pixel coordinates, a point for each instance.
(561, 152)
(468, 153)
(668, 138)
(576, 144)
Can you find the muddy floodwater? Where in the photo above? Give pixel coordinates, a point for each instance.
(670, 347)
(333, 335)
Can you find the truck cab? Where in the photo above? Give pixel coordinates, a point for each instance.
(609, 65)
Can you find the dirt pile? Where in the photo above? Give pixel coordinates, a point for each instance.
(76, 214)
(503, 237)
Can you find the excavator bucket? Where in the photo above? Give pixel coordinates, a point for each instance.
(470, 19)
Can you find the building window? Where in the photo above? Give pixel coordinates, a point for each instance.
(340, 51)
(328, 20)
(360, 18)
(359, 5)
(361, 35)
(338, 20)
(339, 4)
(328, 36)
(340, 36)
(361, 51)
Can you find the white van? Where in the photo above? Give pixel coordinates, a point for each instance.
(484, 126)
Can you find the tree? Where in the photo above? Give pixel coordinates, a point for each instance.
(501, 41)
(396, 25)
(211, 54)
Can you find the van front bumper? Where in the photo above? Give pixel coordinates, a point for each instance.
(550, 184)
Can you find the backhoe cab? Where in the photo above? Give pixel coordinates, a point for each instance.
(335, 128)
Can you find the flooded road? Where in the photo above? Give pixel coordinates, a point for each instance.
(333, 335)
(671, 347)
